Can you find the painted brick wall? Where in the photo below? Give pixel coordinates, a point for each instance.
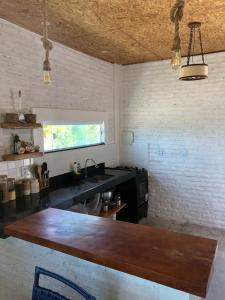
(179, 130)
(79, 82)
(178, 127)
(83, 83)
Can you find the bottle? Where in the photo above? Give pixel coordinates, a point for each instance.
(3, 189)
(16, 144)
(118, 200)
(17, 106)
(75, 170)
(20, 114)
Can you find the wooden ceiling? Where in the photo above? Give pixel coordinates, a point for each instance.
(120, 31)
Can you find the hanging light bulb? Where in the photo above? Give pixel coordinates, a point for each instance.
(176, 60)
(47, 72)
(47, 77)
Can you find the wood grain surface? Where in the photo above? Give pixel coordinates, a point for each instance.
(21, 125)
(14, 157)
(120, 31)
(180, 261)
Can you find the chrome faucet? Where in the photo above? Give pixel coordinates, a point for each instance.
(85, 169)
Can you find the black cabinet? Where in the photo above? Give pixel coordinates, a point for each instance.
(134, 193)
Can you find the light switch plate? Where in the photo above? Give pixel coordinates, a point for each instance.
(127, 137)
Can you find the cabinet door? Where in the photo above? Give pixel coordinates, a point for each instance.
(142, 191)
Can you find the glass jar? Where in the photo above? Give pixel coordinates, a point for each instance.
(19, 188)
(34, 186)
(11, 189)
(26, 187)
(3, 189)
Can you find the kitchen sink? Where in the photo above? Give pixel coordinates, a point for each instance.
(98, 178)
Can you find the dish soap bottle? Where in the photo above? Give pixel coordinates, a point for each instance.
(75, 169)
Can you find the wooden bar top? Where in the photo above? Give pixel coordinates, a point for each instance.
(180, 261)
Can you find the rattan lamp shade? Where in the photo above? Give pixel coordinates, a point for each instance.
(194, 72)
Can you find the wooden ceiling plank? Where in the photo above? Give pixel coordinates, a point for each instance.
(120, 31)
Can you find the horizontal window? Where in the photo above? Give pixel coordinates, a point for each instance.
(65, 137)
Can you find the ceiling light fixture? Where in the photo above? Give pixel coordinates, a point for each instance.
(47, 46)
(176, 15)
(194, 71)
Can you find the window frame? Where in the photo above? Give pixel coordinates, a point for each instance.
(76, 147)
(57, 116)
(73, 148)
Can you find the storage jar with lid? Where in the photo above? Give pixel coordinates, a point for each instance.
(26, 187)
(11, 189)
(34, 184)
(3, 189)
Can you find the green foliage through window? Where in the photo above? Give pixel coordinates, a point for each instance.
(59, 137)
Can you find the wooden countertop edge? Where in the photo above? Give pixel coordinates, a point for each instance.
(159, 278)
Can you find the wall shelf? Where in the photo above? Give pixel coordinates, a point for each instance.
(13, 157)
(21, 125)
(112, 211)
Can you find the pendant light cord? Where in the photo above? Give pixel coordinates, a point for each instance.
(176, 15)
(200, 39)
(46, 43)
(191, 45)
(45, 20)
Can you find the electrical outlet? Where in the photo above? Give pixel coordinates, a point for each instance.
(25, 171)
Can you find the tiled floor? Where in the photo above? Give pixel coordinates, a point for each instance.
(217, 286)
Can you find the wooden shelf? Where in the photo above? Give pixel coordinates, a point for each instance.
(111, 211)
(21, 125)
(13, 157)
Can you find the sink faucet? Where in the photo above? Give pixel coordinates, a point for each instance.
(85, 169)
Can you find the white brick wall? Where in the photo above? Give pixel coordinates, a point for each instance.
(79, 82)
(178, 126)
(179, 130)
(179, 137)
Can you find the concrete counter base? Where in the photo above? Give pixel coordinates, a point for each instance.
(18, 259)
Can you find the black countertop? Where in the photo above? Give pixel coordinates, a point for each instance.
(63, 197)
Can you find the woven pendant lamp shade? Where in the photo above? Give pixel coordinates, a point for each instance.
(194, 71)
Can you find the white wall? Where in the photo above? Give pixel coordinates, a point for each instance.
(179, 130)
(179, 137)
(79, 82)
(178, 126)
